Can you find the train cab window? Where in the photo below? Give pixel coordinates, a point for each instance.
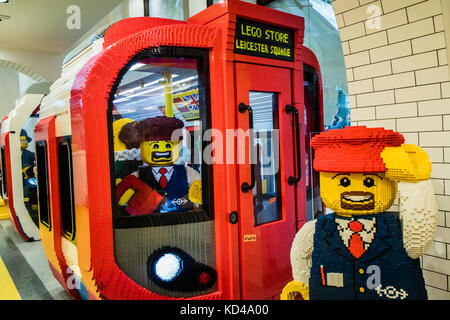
(158, 104)
(42, 177)
(266, 199)
(4, 183)
(66, 189)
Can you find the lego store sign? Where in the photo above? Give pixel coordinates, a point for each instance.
(262, 40)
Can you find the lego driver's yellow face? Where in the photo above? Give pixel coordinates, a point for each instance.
(357, 193)
(160, 153)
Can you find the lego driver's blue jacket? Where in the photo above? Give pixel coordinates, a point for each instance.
(176, 191)
(337, 274)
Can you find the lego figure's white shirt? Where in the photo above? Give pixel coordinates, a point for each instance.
(418, 213)
(301, 252)
(158, 175)
(367, 234)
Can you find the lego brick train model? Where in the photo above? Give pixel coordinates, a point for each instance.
(170, 156)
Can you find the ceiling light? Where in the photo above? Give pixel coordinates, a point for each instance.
(121, 93)
(160, 87)
(120, 100)
(135, 66)
(4, 1)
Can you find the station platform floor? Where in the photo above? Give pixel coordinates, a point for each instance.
(24, 270)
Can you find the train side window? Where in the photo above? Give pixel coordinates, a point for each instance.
(66, 195)
(5, 186)
(42, 175)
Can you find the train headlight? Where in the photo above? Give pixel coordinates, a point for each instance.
(172, 268)
(168, 266)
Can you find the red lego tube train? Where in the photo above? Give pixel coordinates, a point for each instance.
(135, 208)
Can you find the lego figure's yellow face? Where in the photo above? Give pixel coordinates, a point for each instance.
(23, 143)
(357, 193)
(160, 153)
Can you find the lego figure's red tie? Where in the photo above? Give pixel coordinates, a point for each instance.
(356, 246)
(163, 179)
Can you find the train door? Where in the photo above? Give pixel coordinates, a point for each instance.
(267, 211)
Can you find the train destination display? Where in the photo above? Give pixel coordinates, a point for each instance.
(263, 40)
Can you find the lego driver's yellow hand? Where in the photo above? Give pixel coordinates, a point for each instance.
(293, 289)
(195, 192)
(125, 198)
(407, 163)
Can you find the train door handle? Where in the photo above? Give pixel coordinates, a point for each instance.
(296, 119)
(246, 187)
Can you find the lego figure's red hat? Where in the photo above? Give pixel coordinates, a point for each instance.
(353, 149)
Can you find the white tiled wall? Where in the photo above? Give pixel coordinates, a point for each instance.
(399, 79)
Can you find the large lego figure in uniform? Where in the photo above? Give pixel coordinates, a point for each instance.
(29, 181)
(361, 251)
(160, 185)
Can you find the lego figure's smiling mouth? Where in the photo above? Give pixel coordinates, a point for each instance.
(357, 200)
(161, 156)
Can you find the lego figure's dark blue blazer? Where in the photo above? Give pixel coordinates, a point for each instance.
(387, 252)
(177, 186)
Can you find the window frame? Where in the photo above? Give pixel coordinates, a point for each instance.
(71, 236)
(172, 218)
(43, 144)
(278, 178)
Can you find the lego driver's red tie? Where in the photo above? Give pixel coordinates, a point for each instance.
(356, 246)
(163, 179)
